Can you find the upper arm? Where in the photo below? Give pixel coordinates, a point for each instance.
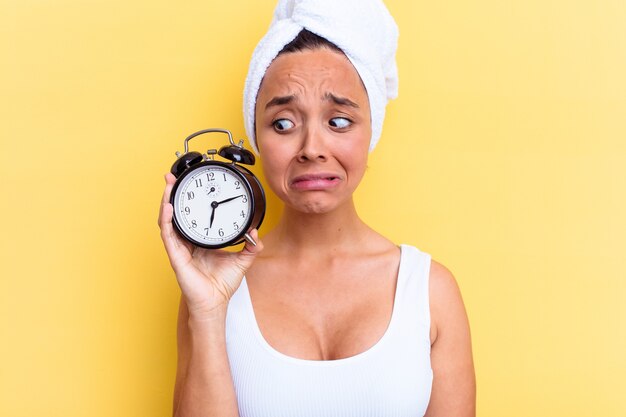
(454, 385)
(183, 347)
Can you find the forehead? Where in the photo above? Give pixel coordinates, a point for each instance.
(312, 69)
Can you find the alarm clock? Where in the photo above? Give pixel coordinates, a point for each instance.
(216, 203)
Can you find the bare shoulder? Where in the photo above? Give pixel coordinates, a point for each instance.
(442, 283)
(446, 303)
(454, 384)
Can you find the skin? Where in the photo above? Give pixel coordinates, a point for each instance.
(313, 132)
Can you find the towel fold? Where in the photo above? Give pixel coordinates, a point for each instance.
(363, 29)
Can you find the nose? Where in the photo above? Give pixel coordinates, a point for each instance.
(313, 146)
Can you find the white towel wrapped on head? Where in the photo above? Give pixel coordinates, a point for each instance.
(363, 29)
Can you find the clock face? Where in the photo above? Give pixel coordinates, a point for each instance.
(212, 205)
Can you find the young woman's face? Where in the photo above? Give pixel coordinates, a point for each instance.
(313, 129)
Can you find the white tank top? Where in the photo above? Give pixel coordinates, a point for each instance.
(392, 378)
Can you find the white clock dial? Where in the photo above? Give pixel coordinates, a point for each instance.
(213, 204)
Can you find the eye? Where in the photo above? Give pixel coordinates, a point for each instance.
(339, 122)
(282, 124)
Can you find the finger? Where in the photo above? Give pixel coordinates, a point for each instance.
(169, 184)
(251, 249)
(170, 178)
(165, 221)
(169, 181)
(246, 256)
(177, 250)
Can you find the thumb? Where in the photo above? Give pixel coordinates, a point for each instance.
(250, 250)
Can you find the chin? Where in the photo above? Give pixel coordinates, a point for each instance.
(315, 206)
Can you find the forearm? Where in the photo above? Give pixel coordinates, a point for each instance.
(207, 388)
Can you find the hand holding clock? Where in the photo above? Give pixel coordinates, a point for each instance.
(207, 278)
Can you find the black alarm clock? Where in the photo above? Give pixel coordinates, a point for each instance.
(216, 203)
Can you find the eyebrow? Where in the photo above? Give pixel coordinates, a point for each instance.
(342, 101)
(279, 101)
(282, 100)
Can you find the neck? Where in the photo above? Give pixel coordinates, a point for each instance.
(312, 233)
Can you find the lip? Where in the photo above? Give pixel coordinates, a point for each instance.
(316, 181)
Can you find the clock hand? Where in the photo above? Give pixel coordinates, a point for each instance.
(212, 217)
(229, 199)
(213, 207)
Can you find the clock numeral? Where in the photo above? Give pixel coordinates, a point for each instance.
(244, 199)
(206, 231)
(243, 214)
(187, 210)
(225, 177)
(237, 185)
(236, 226)
(194, 224)
(198, 182)
(220, 232)
(210, 176)
(190, 195)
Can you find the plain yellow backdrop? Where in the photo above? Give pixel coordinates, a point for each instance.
(504, 157)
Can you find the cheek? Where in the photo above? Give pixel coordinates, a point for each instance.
(356, 154)
(359, 165)
(274, 168)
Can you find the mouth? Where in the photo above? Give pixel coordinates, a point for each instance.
(319, 181)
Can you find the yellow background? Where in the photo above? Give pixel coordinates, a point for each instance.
(504, 157)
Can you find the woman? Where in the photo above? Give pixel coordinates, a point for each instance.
(325, 316)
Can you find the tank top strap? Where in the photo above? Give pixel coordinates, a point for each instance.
(412, 297)
(240, 322)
